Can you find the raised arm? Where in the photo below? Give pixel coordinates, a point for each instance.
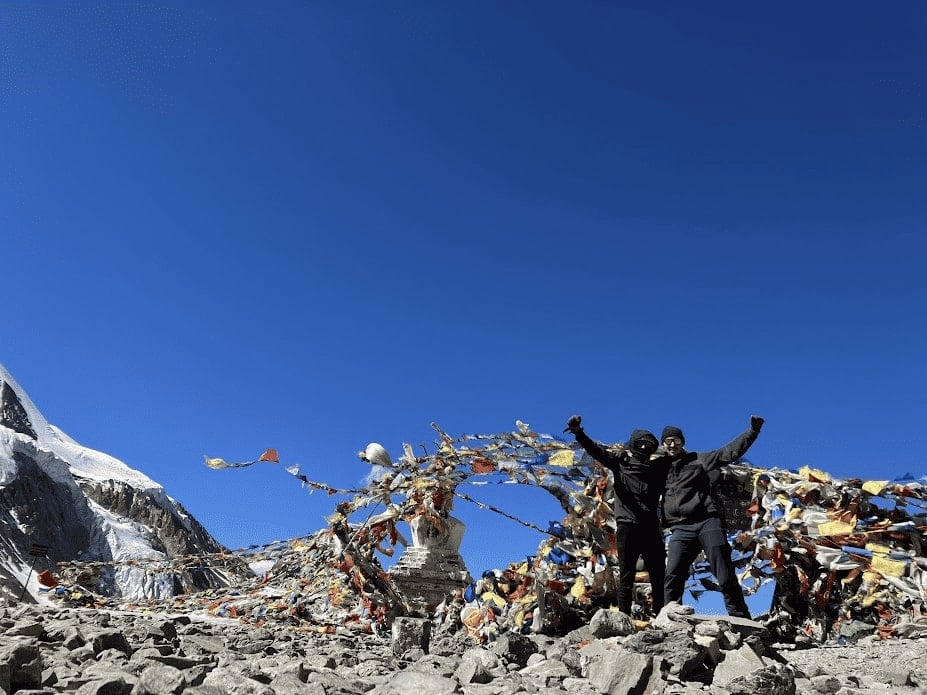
(609, 459)
(735, 448)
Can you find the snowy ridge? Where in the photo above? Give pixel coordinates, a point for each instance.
(83, 462)
(88, 506)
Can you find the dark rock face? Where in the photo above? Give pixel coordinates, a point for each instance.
(46, 511)
(12, 413)
(173, 530)
(36, 509)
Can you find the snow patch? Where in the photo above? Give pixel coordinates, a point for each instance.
(261, 567)
(125, 539)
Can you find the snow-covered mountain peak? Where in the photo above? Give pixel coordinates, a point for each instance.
(86, 506)
(19, 418)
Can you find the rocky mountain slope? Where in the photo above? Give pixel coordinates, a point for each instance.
(60, 501)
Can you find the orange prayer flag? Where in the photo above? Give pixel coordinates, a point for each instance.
(778, 558)
(270, 455)
(482, 465)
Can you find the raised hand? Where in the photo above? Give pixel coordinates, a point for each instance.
(574, 424)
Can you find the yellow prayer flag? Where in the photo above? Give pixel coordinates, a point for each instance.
(813, 474)
(887, 567)
(578, 588)
(871, 580)
(874, 487)
(563, 458)
(493, 598)
(836, 528)
(215, 463)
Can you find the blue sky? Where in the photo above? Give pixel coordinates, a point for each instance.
(309, 226)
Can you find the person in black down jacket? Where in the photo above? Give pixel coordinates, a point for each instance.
(638, 485)
(695, 515)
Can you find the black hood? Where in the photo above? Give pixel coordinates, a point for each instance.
(642, 434)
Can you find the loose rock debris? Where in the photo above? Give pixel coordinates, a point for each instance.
(846, 556)
(57, 649)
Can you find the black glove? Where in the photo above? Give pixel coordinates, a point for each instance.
(756, 423)
(574, 424)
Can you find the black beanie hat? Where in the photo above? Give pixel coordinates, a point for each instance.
(672, 431)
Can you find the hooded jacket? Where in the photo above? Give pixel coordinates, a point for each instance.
(691, 478)
(638, 480)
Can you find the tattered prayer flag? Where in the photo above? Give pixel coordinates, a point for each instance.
(472, 618)
(836, 528)
(888, 567)
(482, 465)
(874, 487)
(46, 578)
(813, 474)
(578, 588)
(563, 459)
(493, 598)
(270, 456)
(778, 558)
(878, 548)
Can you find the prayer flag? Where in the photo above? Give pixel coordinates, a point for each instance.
(563, 459)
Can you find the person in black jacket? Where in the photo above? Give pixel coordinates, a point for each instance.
(638, 485)
(695, 515)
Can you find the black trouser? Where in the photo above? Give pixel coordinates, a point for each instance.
(640, 540)
(684, 546)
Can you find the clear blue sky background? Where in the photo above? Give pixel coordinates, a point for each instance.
(309, 226)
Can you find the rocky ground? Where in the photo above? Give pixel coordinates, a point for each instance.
(52, 649)
(892, 665)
